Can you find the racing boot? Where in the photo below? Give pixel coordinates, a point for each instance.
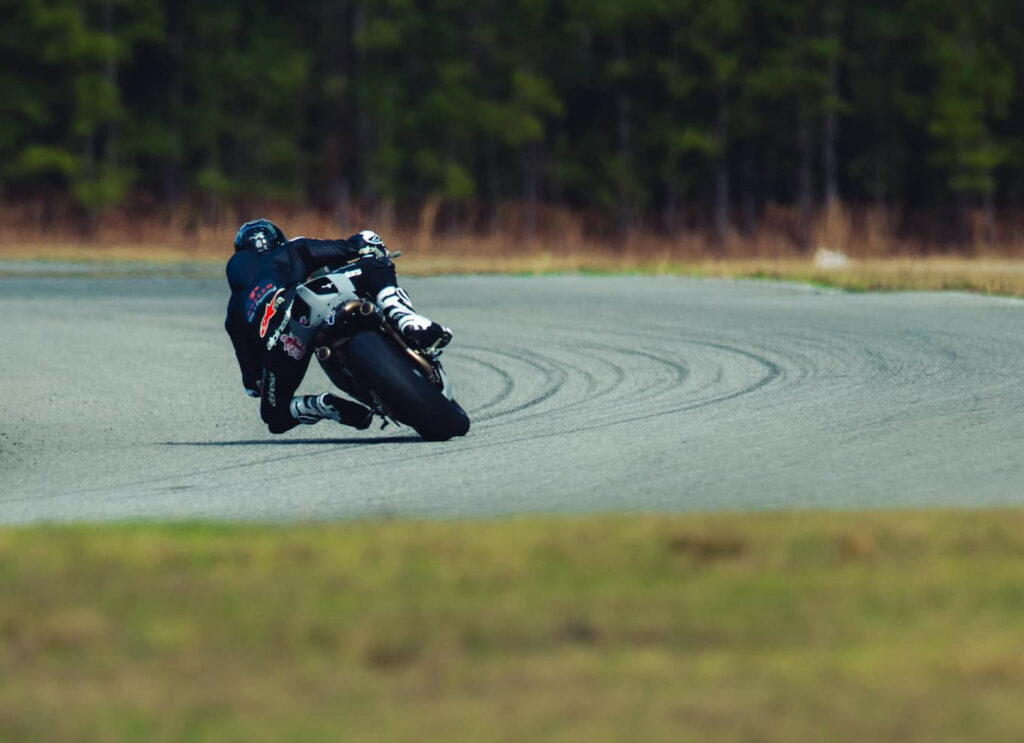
(421, 332)
(310, 409)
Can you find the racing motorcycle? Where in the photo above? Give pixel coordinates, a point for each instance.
(364, 354)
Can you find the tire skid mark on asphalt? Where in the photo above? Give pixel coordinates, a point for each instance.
(653, 389)
(792, 368)
(507, 381)
(643, 402)
(772, 374)
(685, 371)
(602, 359)
(553, 371)
(554, 378)
(595, 388)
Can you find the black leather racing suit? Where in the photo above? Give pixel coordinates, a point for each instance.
(262, 284)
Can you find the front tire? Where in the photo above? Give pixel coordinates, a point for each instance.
(410, 398)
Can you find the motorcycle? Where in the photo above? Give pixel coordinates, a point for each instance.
(364, 354)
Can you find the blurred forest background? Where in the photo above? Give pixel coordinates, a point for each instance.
(746, 125)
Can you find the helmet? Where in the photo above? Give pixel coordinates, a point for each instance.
(260, 235)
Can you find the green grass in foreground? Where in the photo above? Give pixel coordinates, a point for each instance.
(767, 627)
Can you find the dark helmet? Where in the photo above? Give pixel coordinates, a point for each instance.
(260, 235)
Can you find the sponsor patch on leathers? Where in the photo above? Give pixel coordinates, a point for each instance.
(293, 346)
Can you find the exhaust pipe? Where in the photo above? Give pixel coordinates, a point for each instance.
(353, 306)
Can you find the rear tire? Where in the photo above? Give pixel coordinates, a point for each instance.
(410, 398)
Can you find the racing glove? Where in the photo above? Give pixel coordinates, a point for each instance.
(370, 245)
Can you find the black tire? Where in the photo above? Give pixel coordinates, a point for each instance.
(411, 399)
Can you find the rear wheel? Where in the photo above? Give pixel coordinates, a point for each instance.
(408, 396)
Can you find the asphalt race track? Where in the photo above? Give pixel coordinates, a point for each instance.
(121, 400)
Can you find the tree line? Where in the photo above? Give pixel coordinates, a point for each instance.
(658, 112)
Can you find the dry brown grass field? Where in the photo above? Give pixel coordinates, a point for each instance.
(859, 250)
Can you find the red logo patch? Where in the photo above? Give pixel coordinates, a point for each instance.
(268, 312)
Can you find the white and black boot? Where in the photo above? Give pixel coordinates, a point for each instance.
(421, 332)
(310, 409)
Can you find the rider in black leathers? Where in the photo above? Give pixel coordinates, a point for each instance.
(263, 274)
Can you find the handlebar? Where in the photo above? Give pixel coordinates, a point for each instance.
(323, 271)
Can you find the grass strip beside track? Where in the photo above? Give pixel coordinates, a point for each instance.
(897, 626)
(981, 275)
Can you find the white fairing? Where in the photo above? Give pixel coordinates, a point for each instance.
(322, 306)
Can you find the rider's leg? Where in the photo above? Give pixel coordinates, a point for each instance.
(284, 366)
(311, 409)
(281, 377)
(378, 280)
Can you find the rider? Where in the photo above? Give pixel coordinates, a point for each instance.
(263, 274)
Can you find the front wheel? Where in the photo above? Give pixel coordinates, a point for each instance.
(411, 399)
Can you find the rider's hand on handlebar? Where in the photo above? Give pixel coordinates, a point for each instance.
(370, 245)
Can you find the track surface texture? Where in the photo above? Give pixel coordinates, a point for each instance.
(121, 400)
